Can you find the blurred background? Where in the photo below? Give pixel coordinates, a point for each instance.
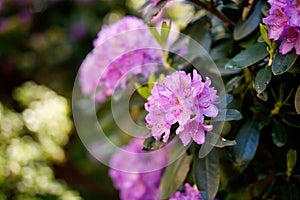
(42, 44)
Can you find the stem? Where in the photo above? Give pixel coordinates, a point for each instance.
(213, 11)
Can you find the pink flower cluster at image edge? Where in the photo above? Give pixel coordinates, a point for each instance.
(121, 51)
(143, 186)
(189, 193)
(137, 186)
(184, 100)
(284, 22)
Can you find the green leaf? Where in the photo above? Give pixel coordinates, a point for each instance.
(247, 142)
(174, 176)
(160, 78)
(244, 28)
(200, 32)
(142, 90)
(228, 115)
(248, 57)
(297, 100)
(151, 81)
(153, 11)
(234, 83)
(262, 79)
(291, 160)
(207, 174)
(156, 35)
(264, 33)
(291, 119)
(151, 144)
(264, 122)
(218, 141)
(283, 63)
(279, 135)
(165, 30)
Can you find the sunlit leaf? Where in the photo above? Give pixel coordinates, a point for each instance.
(283, 63)
(247, 142)
(248, 57)
(228, 115)
(207, 174)
(291, 160)
(264, 33)
(279, 134)
(297, 100)
(174, 176)
(143, 90)
(262, 79)
(244, 28)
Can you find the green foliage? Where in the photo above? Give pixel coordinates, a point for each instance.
(174, 175)
(207, 174)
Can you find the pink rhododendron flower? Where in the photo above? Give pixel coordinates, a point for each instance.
(284, 22)
(183, 100)
(137, 186)
(189, 193)
(121, 51)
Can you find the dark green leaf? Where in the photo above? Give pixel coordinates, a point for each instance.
(289, 191)
(247, 142)
(218, 141)
(290, 118)
(174, 176)
(262, 79)
(297, 100)
(264, 122)
(200, 32)
(207, 174)
(283, 63)
(248, 57)
(234, 83)
(244, 28)
(228, 115)
(279, 135)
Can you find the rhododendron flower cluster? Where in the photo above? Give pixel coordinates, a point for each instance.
(137, 186)
(284, 22)
(121, 50)
(183, 100)
(189, 193)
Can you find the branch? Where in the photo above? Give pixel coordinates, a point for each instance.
(213, 11)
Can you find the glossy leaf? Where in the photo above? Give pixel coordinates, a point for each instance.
(297, 100)
(283, 63)
(279, 134)
(207, 174)
(247, 142)
(244, 28)
(174, 176)
(290, 118)
(218, 141)
(248, 57)
(228, 115)
(262, 79)
(200, 32)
